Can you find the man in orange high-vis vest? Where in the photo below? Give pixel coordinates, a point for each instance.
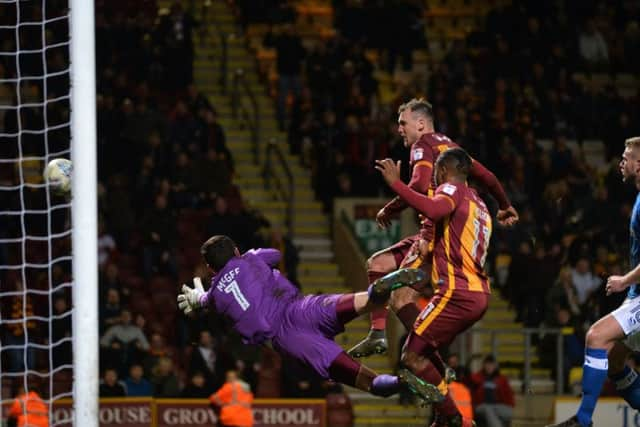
(234, 402)
(29, 410)
(462, 397)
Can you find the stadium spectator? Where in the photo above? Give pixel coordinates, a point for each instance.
(289, 262)
(20, 333)
(462, 398)
(562, 295)
(290, 54)
(573, 344)
(117, 205)
(214, 136)
(209, 361)
(493, 399)
(584, 281)
(197, 387)
(175, 32)
(182, 182)
(593, 48)
(160, 235)
(122, 344)
(233, 401)
(141, 322)
(212, 176)
(110, 386)
(164, 380)
(109, 281)
(519, 280)
(405, 22)
(461, 371)
(157, 350)
(29, 409)
(110, 310)
(106, 245)
(297, 382)
(136, 385)
(540, 278)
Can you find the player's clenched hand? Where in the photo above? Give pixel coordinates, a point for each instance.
(189, 299)
(390, 170)
(383, 219)
(508, 217)
(616, 284)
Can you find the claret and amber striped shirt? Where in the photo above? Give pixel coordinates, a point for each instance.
(461, 242)
(463, 231)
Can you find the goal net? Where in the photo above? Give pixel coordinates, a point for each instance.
(38, 233)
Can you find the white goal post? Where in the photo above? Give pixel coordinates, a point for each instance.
(84, 211)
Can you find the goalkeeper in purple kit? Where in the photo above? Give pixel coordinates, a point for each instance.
(264, 306)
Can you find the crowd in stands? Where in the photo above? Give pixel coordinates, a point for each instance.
(165, 183)
(533, 72)
(176, 183)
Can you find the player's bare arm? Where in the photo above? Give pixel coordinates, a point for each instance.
(507, 214)
(420, 182)
(434, 208)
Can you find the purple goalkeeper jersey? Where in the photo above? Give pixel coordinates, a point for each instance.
(250, 292)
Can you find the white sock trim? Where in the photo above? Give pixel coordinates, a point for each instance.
(596, 363)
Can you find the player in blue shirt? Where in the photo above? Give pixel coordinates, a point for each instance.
(611, 339)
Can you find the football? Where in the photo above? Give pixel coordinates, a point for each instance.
(58, 175)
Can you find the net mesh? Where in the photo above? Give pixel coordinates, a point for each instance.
(35, 231)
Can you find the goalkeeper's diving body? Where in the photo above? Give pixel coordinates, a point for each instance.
(264, 306)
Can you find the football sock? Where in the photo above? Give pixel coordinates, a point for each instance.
(447, 407)
(344, 369)
(628, 386)
(379, 315)
(408, 314)
(593, 376)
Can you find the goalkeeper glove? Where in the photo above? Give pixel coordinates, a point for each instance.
(189, 299)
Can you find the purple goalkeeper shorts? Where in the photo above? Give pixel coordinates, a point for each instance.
(308, 328)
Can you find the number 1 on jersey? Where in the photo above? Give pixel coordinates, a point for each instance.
(233, 288)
